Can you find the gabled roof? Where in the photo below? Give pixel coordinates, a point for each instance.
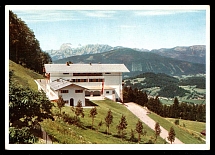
(55, 85)
(85, 68)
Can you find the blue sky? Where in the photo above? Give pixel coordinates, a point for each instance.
(148, 27)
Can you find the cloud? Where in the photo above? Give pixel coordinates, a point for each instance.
(61, 15)
(98, 14)
(161, 12)
(46, 15)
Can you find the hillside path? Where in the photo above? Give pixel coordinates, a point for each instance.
(141, 113)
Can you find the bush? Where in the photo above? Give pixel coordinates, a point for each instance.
(72, 120)
(21, 136)
(176, 122)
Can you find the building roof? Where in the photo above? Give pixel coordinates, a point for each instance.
(55, 85)
(85, 68)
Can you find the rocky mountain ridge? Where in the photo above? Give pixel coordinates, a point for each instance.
(195, 53)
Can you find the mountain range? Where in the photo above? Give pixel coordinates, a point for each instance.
(195, 53)
(139, 62)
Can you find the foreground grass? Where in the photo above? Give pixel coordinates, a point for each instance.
(191, 125)
(70, 134)
(24, 76)
(182, 133)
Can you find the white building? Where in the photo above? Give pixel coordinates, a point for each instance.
(77, 81)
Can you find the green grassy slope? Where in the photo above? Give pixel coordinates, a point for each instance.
(71, 134)
(188, 134)
(24, 76)
(64, 132)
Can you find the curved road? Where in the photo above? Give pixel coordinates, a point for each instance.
(141, 113)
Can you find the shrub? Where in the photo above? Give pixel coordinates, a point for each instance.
(176, 122)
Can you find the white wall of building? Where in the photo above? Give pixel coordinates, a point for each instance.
(72, 94)
(113, 80)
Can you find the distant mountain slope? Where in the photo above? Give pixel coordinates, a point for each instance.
(196, 53)
(139, 62)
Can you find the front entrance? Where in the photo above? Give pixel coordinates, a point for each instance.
(71, 102)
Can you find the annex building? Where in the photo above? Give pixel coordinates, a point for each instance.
(78, 81)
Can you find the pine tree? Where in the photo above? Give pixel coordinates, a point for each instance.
(176, 109)
(108, 119)
(60, 102)
(122, 126)
(139, 129)
(78, 110)
(93, 113)
(171, 134)
(157, 130)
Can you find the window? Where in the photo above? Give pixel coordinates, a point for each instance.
(113, 92)
(65, 73)
(64, 91)
(79, 80)
(107, 92)
(95, 80)
(78, 91)
(83, 80)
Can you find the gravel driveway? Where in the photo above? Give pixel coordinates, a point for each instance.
(141, 113)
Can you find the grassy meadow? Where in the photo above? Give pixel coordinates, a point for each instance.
(70, 134)
(186, 131)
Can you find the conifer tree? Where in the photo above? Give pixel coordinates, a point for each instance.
(93, 113)
(60, 102)
(176, 109)
(157, 130)
(78, 110)
(108, 119)
(122, 126)
(171, 134)
(139, 129)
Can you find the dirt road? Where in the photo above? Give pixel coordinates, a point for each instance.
(141, 113)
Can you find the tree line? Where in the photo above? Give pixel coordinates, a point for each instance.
(183, 110)
(24, 48)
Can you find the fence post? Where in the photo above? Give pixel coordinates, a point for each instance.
(46, 137)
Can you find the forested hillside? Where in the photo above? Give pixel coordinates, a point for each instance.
(168, 86)
(24, 48)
